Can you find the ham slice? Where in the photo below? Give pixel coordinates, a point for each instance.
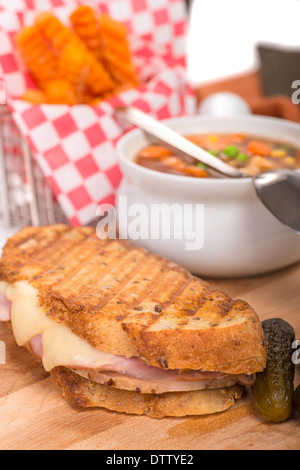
(5, 306)
(133, 367)
(36, 346)
(133, 374)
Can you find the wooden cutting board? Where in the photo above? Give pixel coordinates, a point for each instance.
(33, 415)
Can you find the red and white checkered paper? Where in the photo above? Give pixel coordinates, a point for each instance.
(75, 146)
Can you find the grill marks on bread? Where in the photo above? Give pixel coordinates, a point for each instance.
(125, 301)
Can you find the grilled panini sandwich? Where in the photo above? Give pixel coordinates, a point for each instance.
(119, 328)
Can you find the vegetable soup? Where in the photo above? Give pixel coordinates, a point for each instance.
(250, 155)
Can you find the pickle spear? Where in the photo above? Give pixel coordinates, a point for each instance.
(273, 391)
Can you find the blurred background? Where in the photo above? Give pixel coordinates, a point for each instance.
(225, 35)
(248, 50)
(251, 48)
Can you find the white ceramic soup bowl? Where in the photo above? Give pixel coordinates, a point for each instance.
(240, 237)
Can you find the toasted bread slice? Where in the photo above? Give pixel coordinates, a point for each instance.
(123, 300)
(82, 393)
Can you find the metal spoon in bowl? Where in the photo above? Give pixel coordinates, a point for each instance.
(278, 190)
(176, 141)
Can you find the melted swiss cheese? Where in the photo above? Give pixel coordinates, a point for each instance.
(61, 347)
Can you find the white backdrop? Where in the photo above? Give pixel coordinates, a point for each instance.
(223, 34)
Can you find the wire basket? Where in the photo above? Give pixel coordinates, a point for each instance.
(25, 195)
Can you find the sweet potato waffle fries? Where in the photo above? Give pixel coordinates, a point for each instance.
(83, 63)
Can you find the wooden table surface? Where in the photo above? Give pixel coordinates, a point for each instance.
(34, 416)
